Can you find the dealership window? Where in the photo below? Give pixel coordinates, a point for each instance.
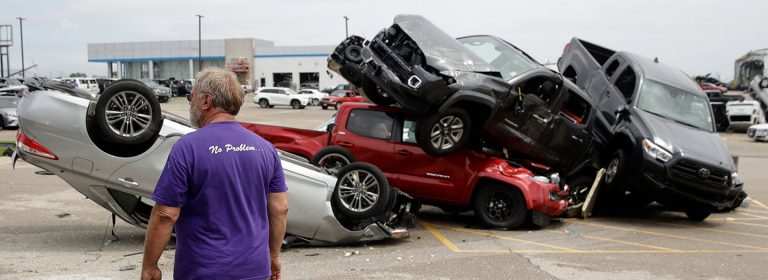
(283, 79)
(309, 80)
(144, 71)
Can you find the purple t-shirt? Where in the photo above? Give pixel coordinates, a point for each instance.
(220, 176)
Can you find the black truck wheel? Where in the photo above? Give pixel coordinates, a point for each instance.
(442, 134)
(499, 206)
(697, 215)
(332, 159)
(361, 191)
(615, 173)
(128, 113)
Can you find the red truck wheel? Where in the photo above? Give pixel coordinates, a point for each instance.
(332, 159)
(499, 206)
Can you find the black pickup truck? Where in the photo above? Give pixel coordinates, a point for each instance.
(663, 145)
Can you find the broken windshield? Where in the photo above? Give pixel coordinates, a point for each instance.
(500, 54)
(675, 104)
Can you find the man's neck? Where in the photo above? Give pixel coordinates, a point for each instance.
(219, 116)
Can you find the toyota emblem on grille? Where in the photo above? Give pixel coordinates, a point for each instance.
(704, 173)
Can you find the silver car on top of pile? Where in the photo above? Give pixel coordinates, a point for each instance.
(114, 149)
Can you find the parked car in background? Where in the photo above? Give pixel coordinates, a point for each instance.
(717, 100)
(711, 80)
(743, 114)
(758, 132)
(8, 117)
(162, 93)
(503, 194)
(12, 87)
(117, 166)
(314, 95)
(186, 87)
(664, 145)
(88, 84)
(340, 96)
(269, 97)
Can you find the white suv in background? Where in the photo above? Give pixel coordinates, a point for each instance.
(742, 114)
(268, 97)
(314, 95)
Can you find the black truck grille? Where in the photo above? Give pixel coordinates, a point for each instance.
(693, 173)
(741, 118)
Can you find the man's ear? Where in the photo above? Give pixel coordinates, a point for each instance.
(207, 102)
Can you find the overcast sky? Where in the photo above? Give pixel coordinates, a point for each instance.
(698, 36)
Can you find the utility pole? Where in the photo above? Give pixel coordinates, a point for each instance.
(346, 27)
(21, 31)
(199, 42)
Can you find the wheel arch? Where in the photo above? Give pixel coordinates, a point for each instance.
(489, 180)
(478, 106)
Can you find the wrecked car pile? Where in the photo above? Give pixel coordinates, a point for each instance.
(603, 111)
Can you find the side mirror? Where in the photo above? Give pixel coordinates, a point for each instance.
(330, 128)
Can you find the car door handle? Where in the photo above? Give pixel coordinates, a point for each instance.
(128, 182)
(577, 138)
(346, 144)
(404, 153)
(536, 116)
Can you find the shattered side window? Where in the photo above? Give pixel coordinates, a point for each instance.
(575, 109)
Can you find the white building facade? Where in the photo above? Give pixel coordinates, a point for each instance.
(256, 62)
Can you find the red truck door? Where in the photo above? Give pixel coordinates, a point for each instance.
(425, 176)
(367, 134)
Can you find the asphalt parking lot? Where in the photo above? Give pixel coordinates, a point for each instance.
(50, 231)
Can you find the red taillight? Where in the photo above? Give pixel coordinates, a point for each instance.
(27, 145)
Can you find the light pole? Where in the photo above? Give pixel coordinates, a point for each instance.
(21, 31)
(199, 42)
(346, 27)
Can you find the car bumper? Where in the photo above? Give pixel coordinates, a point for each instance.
(327, 103)
(411, 86)
(14, 122)
(676, 183)
(761, 135)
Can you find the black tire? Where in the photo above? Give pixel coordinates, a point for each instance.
(500, 206)
(361, 191)
(332, 159)
(697, 215)
(324, 107)
(615, 173)
(315, 101)
(2, 124)
(353, 53)
(295, 104)
(263, 103)
(579, 188)
(442, 134)
(375, 95)
(129, 103)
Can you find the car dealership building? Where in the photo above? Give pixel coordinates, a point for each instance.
(256, 62)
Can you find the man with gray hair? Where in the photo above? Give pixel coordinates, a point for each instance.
(223, 189)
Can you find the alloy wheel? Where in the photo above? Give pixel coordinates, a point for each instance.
(359, 190)
(610, 172)
(500, 206)
(446, 132)
(332, 163)
(128, 114)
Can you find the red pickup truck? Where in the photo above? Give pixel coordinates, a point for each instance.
(503, 194)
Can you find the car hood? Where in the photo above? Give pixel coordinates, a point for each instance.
(13, 88)
(690, 142)
(8, 110)
(441, 50)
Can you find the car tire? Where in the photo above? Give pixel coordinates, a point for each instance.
(579, 188)
(127, 103)
(315, 101)
(615, 173)
(2, 124)
(499, 206)
(442, 134)
(353, 53)
(324, 107)
(295, 104)
(361, 191)
(332, 159)
(697, 215)
(375, 95)
(263, 103)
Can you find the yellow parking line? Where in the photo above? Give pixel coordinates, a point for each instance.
(440, 237)
(621, 242)
(751, 199)
(668, 235)
(509, 238)
(715, 230)
(753, 216)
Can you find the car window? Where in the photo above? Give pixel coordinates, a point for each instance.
(575, 109)
(625, 83)
(372, 124)
(409, 131)
(612, 68)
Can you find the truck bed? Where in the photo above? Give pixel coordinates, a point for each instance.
(303, 142)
